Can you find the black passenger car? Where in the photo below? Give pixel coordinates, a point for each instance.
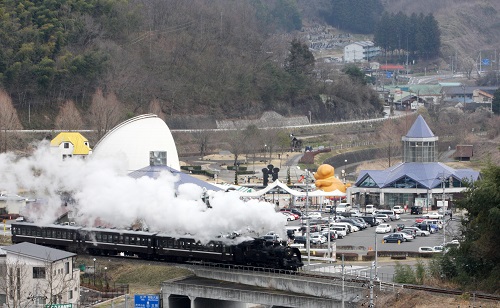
(416, 210)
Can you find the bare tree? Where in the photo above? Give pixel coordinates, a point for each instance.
(69, 117)
(203, 138)
(390, 136)
(104, 112)
(8, 119)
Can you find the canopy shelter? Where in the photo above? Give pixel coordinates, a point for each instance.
(283, 186)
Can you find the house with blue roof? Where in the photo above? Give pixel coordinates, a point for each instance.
(418, 180)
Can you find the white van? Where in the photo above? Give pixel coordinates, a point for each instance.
(340, 230)
(343, 208)
(343, 224)
(369, 208)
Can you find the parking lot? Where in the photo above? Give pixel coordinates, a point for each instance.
(363, 241)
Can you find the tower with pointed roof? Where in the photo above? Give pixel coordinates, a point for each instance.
(419, 144)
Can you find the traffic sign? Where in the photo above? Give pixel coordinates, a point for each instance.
(485, 61)
(146, 301)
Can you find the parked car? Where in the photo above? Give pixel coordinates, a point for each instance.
(354, 213)
(299, 239)
(410, 231)
(392, 215)
(370, 209)
(333, 235)
(383, 217)
(432, 215)
(383, 228)
(317, 239)
(398, 209)
(343, 207)
(416, 210)
(394, 238)
(418, 231)
(407, 237)
(288, 216)
(340, 230)
(426, 249)
(444, 212)
(371, 220)
(439, 248)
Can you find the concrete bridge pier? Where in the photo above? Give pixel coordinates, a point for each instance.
(184, 301)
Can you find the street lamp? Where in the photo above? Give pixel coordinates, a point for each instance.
(344, 171)
(94, 271)
(308, 240)
(366, 202)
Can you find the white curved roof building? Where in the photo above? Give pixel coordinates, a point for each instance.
(143, 141)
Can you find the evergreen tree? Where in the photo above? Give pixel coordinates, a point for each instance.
(496, 102)
(478, 257)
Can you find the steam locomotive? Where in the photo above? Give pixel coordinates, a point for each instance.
(157, 246)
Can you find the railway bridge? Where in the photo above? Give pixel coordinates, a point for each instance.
(217, 287)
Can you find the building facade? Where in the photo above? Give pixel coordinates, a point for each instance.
(34, 275)
(360, 51)
(418, 180)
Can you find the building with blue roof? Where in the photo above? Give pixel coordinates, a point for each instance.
(418, 180)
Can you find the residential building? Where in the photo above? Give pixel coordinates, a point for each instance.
(32, 276)
(70, 144)
(361, 51)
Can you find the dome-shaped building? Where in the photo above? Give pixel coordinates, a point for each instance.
(143, 141)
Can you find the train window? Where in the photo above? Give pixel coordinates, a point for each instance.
(98, 237)
(132, 240)
(115, 238)
(44, 233)
(120, 239)
(104, 237)
(126, 239)
(58, 234)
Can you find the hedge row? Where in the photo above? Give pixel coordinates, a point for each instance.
(240, 168)
(191, 168)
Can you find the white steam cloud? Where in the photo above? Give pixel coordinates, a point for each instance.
(104, 195)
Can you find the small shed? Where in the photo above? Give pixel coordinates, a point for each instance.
(463, 152)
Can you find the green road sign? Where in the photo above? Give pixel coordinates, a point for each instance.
(59, 306)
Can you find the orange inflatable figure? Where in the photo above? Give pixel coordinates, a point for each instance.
(326, 180)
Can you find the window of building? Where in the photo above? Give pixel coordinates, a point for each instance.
(70, 294)
(66, 145)
(38, 272)
(66, 268)
(157, 158)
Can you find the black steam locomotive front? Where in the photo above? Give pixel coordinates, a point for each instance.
(261, 253)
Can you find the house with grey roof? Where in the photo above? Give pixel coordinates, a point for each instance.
(32, 276)
(419, 179)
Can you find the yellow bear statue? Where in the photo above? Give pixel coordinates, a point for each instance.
(326, 180)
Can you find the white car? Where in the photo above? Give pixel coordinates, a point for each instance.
(398, 209)
(438, 249)
(317, 239)
(383, 217)
(383, 228)
(418, 231)
(406, 236)
(288, 216)
(355, 213)
(432, 215)
(313, 215)
(426, 249)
